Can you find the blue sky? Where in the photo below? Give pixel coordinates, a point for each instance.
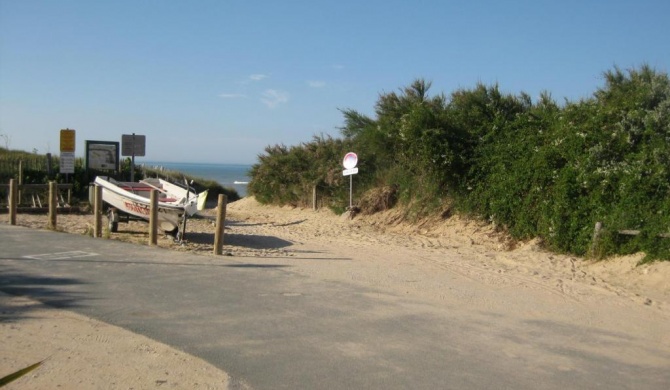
(217, 81)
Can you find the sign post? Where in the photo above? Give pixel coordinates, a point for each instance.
(349, 163)
(133, 145)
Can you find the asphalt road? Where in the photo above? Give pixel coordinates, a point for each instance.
(270, 327)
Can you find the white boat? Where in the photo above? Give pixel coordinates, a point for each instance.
(175, 203)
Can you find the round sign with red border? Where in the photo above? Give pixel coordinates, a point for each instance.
(350, 160)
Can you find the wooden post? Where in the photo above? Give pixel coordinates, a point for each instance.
(53, 204)
(314, 198)
(97, 211)
(153, 218)
(49, 164)
(13, 195)
(220, 220)
(596, 236)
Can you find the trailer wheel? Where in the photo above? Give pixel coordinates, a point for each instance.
(113, 221)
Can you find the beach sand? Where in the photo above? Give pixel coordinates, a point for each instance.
(389, 254)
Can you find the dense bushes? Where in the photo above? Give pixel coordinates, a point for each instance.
(287, 175)
(537, 169)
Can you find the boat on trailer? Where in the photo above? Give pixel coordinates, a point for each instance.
(175, 203)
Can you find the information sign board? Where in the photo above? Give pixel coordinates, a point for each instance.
(102, 155)
(133, 145)
(67, 162)
(351, 171)
(67, 138)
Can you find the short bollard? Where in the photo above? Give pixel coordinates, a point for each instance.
(220, 220)
(97, 211)
(153, 218)
(53, 204)
(13, 201)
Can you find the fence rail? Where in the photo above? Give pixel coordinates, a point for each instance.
(35, 190)
(598, 231)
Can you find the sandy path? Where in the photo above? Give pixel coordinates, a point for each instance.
(82, 353)
(445, 262)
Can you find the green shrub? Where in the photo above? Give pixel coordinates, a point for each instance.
(288, 175)
(536, 169)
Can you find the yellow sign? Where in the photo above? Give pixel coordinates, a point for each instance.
(67, 140)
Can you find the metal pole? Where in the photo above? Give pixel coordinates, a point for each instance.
(18, 198)
(132, 163)
(351, 189)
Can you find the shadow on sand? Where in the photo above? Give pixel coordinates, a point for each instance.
(49, 290)
(241, 240)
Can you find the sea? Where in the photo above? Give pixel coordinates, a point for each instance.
(234, 176)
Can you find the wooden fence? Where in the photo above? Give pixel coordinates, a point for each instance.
(36, 195)
(598, 231)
